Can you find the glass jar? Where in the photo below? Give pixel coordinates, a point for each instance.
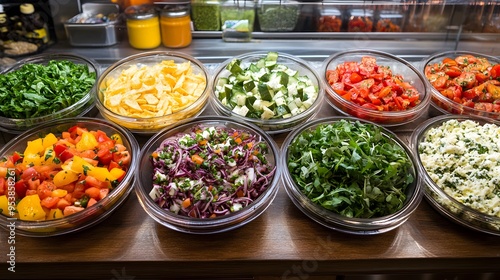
(277, 15)
(143, 27)
(329, 20)
(436, 17)
(237, 18)
(205, 15)
(414, 17)
(35, 28)
(360, 20)
(175, 26)
(492, 23)
(389, 19)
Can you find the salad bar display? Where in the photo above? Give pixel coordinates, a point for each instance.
(229, 196)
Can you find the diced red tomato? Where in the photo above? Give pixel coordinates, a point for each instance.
(373, 86)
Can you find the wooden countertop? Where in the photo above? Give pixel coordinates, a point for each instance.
(281, 243)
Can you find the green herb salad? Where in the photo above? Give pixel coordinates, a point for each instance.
(351, 168)
(35, 90)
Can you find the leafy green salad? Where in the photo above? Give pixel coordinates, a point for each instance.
(36, 90)
(350, 168)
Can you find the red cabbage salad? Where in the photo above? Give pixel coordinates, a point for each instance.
(210, 171)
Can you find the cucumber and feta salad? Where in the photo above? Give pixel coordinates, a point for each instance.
(265, 89)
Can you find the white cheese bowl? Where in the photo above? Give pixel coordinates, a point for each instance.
(456, 169)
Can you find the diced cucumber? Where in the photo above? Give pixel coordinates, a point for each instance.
(265, 89)
(265, 93)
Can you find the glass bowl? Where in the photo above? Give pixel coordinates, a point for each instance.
(91, 215)
(67, 108)
(455, 157)
(447, 104)
(158, 89)
(289, 118)
(319, 158)
(379, 115)
(179, 219)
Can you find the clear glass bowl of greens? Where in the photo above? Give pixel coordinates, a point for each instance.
(275, 91)
(46, 87)
(351, 175)
(208, 174)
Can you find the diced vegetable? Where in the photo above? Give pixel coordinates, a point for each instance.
(265, 89)
(57, 176)
(208, 172)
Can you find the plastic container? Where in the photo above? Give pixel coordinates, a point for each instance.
(151, 124)
(277, 16)
(329, 218)
(439, 196)
(360, 20)
(206, 15)
(273, 125)
(175, 25)
(398, 66)
(237, 20)
(82, 107)
(187, 224)
(91, 215)
(96, 26)
(492, 19)
(330, 19)
(143, 27)
(389, 20)
(446, 104)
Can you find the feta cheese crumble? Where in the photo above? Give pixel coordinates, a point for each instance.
(463, 158)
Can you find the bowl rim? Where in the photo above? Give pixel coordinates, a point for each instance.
(134, 59)
(465, 110)
(362, 226)
(212, 225)
(415, 140)
(307, 114)
(39, 58)
(81, 216)
(415, 111)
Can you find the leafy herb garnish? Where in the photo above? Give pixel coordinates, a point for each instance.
(351, 168)
(36, 90)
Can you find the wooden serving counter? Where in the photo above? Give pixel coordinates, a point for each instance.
(282, 243)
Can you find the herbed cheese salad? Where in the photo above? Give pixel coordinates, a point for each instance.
(462, 158)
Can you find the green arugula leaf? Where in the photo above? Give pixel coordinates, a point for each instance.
(351, 168)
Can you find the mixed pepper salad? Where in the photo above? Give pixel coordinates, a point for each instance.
(469, 80)
(56, 176)
(210, 171)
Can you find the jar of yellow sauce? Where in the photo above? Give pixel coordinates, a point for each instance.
(175, 26)
(143, 27)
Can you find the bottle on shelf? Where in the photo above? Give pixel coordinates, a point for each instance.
(4, 25)
(34, 27)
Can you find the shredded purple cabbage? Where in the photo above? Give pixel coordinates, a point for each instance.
(210, 171)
